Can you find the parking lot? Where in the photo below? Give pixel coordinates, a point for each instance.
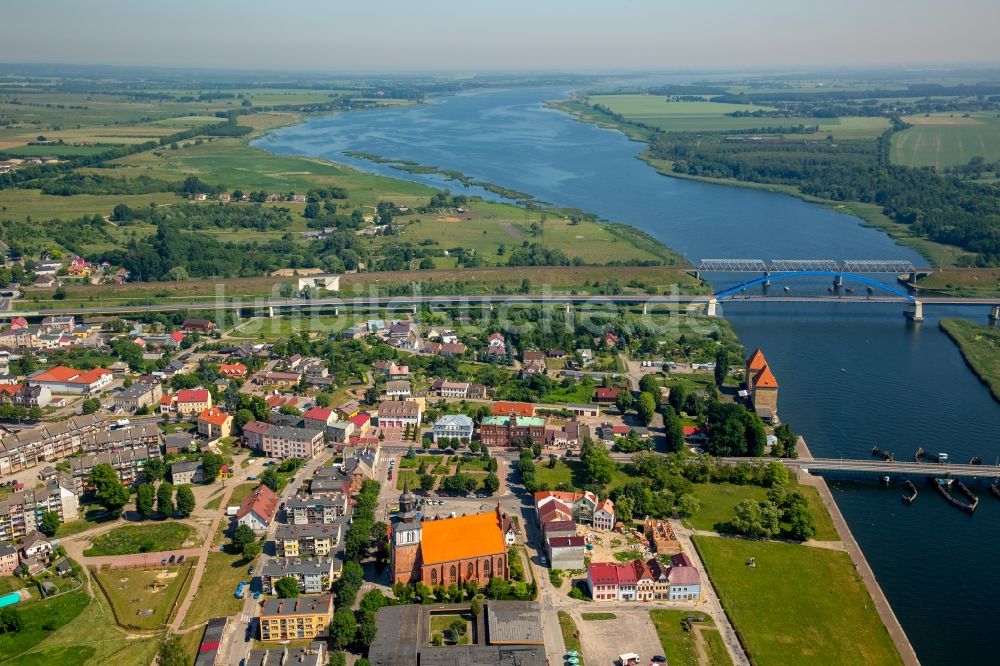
(603, 640)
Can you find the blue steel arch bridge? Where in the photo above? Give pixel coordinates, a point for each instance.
(856, 270)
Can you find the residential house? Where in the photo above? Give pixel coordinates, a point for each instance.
(396, 389)
(198, 325)
(186, 472)
(302, 618)
(606, 395)
(604, 515)
(340, 431)
(178, 442)
(139, 396)
(253, 434)
(391, 369)
(233, 370)
(453, 425)
(192, 401)
(362, 423)
(214, 423)
(258, 509)
(25, 395)
(21, 512)
(319, 418)
(652, 580)
(310, 540)
(9, 560)
(314, 575)
(582, 505)
(496, 345)
(285, 442)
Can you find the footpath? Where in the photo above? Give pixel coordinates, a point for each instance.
(889, 619)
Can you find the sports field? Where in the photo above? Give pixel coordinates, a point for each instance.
(943, 140)
(144, 598)
(711, 117)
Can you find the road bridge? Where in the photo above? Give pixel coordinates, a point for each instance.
(843, 468)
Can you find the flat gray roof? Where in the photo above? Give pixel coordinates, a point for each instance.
(514, 623)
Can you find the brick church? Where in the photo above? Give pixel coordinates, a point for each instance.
(450, 550)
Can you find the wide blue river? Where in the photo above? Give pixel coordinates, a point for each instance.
(852, 375)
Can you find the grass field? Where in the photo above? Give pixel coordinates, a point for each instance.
(149, 538)
(570, 635)
(798, 605)
(215, 595)
(679, 645)
(942, 140)
(571, 473)
(590, 617)
(711, 117)
(40, 619)
(719, 500)
(129, 592)
(980, 347)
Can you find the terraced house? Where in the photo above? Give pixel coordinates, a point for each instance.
(315, 540)
(21, 512)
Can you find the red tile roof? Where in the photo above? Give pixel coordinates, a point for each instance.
(192, 395)
(318, 414)
(765, 379)
(603, 573)
(214, 416)
(505, 408)
(262, 501)
(361, 419)
(607, 393)
(756, 361)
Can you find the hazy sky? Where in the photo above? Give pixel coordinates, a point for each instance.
(341, 35)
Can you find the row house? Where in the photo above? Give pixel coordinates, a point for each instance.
(580, 506)
(652, 580)
(315, 540)
(21, 512)
(316, 510)
(505, 431)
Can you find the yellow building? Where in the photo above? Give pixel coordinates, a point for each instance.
(303, 618)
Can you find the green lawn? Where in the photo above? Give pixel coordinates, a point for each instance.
(590, 617)
(719, 500)
(679, 645)
(980, 347)
(129, 592)
(41, 618)
(216, 593)
(92, 517)
(571, 473)
(942, 140)
(798, 605)
(408, 477)
(140, 539)
(441, 622)
(571, 637)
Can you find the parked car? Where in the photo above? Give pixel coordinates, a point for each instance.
(163, 561)
(250, 571)
(659, 659)
(180, 559)
(173, 558)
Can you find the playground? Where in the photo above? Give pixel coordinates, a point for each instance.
(143, 598)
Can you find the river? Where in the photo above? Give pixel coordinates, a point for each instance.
(851, 375)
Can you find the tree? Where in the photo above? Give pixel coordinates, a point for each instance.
(108, 488)
(688, 505)
(10, 621)
(155, 469)
(475, 607)
(803, 525)
(165, 499)
(144, 497)
(367, 629)
(286, 588)
(721, 367)
(649, 384)
(172, 653)
(775, 474)
(242, 535)
(342, 629)
(673, 430)
(271, 479)
(184, 501)
(211, 463)
(90, 405)
(50, 523)
(646, 407)
(624, 507)
(678, 397)
(598, 462)
(756, 519)
(624, 400)
(491, 483)
(426, 482)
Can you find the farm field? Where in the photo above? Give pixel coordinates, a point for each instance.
(710, 117)
(942, 140)
(798, 604)
(136, 604)
(148, 538)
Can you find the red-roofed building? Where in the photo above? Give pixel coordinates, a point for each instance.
(18, 323)
(362, 423)
(694, 433)
(233, 370)
(258, 509)
(214, 423)
(762, 386)
(253, 433)
(604, 515)
(168, 403)
(644, 581)
(606, 394)
(63, 379)
(192, 401)
(602, 579)
(505, 408)
(177, 336)
(319, 417)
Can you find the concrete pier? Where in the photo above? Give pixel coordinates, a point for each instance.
(915, 311)
(713, 308)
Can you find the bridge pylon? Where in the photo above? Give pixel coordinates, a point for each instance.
(914, 311)
(713, 307)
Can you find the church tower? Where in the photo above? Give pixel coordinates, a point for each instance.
(406, 532)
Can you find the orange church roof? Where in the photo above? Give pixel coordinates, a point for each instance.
(756, 361)
(765, 379)
(461, 538)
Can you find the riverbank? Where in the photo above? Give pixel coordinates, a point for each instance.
(861, 566)
(980, 347)
(937, 254)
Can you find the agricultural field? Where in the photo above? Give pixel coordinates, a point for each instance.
(942, 140)
(148, 538)
(711, 117)
(144, 598)
(797, 604)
